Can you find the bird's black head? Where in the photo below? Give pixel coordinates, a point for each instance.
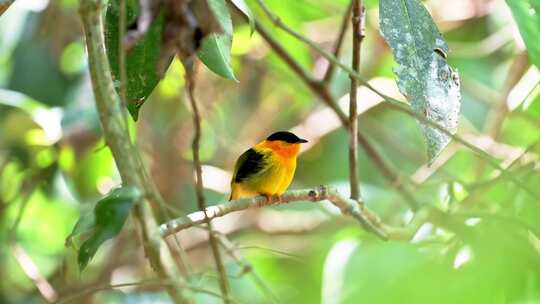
(287, 137)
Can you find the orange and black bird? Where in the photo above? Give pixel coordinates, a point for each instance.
(267, 168)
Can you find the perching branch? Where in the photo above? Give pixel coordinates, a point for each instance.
(125, 156)
(223, 281)
(357, 37)
(393, 103)
(347, 206)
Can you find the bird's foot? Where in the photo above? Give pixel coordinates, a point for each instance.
(273, 198)
(269, 197)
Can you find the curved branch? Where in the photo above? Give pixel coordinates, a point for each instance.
(367, 219)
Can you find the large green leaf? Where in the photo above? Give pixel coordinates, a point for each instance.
(215, 50)
(424, 76)
(141, 60)
(104, 223)
(527, 15)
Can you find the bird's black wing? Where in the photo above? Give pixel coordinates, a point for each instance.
(249, 163)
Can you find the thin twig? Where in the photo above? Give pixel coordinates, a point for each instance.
(393, 103)
(347, 206)
(146, 283)
(25, 199)
(291, 256)
(357, 37)
(31, 270)
(24, 260)
(491, 216)
(223, 280)
(389, 174)
(327, 78)
(399, 106)
(518, 67)
(482, 188)
(232, 250)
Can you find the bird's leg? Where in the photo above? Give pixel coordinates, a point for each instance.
(272, 198)
(269, 197)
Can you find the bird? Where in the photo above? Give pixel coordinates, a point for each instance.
(267, 168)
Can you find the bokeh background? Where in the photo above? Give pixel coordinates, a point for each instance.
(54, 165)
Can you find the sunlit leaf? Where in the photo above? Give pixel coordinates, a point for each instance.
(47, 118)
(215, 50)
(527, 15)
(424, 76)
(105, 222)
(244, 8)
(141, 61)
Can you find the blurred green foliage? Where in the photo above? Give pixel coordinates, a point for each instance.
(55, 166)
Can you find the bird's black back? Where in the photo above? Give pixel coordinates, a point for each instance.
(249, 163)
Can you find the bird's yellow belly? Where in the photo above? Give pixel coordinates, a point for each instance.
(278, 180)
(274, 181)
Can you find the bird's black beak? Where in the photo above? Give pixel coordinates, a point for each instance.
(302, 141)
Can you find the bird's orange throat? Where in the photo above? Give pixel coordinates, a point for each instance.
(282, 149)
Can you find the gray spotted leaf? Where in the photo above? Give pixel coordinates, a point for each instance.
(424, 76)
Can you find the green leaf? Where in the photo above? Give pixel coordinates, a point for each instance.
(242, 6)
(104, 223)
(215, 50)
(221, 13)
(215, 53)
(141, 60)
(424, 76)
(527, 15)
